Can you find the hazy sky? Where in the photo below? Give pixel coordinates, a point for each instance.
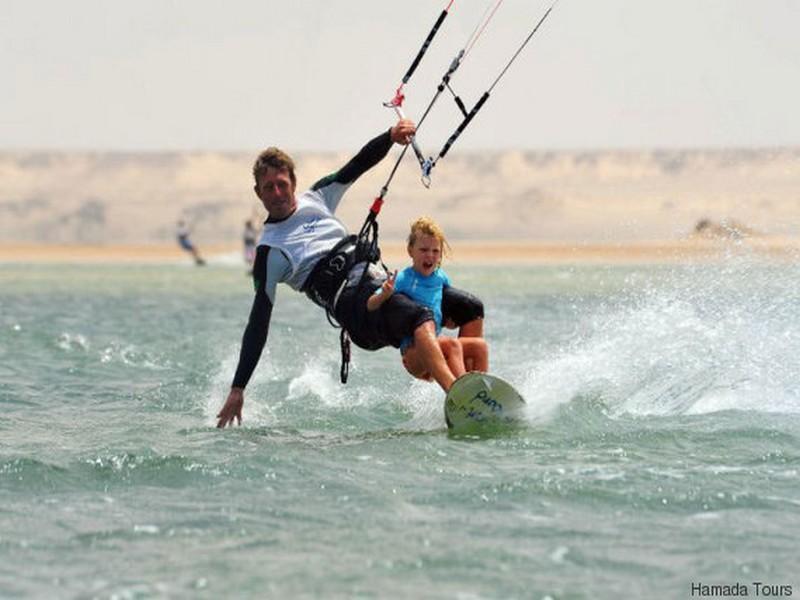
(311, 74)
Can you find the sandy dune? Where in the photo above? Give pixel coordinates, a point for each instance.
(537, 203)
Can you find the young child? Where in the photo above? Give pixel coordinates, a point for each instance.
(423, 282)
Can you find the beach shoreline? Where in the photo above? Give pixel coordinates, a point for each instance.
(464, 252)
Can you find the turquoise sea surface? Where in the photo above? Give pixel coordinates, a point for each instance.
(660, 454)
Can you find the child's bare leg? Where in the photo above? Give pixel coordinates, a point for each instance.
(469, 361)
(425, 358)
(413, 365)
(472, 329)
(476, 354)
(453, 354)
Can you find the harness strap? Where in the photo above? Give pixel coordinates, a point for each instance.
(368, 252)
(328, 278)
(329, 275)
(344, 344)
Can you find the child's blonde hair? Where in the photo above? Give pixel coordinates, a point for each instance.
(427, 226)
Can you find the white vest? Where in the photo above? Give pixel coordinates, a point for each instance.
(308, 234)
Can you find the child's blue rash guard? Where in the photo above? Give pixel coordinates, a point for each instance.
(422, 289)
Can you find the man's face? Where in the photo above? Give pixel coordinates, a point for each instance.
(276, 191)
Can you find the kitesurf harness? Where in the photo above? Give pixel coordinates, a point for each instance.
(325, 284)
(364, 246)
(327, 280)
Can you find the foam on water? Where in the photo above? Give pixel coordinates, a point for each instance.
(683, 341)
(317, 382)
(257, 413)
(69, 342)
(423, 401)
(699, 340)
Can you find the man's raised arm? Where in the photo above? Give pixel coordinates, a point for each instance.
(370, 155)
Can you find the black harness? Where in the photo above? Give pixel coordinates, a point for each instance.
(324, 284)
(329, 275)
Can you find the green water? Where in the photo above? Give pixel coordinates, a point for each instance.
(661, 449)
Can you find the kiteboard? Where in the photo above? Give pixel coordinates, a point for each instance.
(480, 399)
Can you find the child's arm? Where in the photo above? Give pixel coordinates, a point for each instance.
(387, 289)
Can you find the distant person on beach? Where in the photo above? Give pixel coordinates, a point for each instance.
(182, 233)
(305, 246)
(424, 282)
(249, 239)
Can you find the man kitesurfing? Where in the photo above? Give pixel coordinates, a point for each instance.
(304, 245)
